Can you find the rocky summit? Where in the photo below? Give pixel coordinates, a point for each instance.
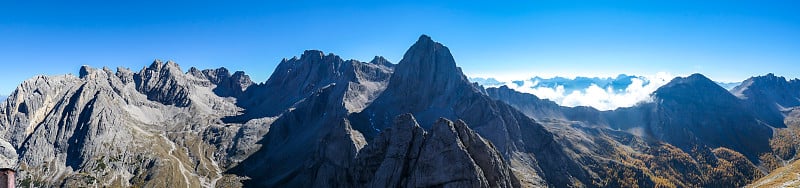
(323, 121)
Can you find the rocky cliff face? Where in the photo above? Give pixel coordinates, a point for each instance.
(8, 155)
(309, 146)
(450, 155)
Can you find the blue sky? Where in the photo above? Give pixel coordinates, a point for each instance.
(725, 40)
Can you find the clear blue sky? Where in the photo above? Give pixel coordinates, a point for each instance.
(726, 40)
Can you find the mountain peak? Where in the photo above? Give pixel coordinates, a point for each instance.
(695, 87)
(85, 71)
(694, 79)
(312, 54)
(171, 63)
(156, 65)
(428, 62)
(768, 95)
(159, 66)
(768, 81)
(425, 38)
(769, 78)
(379, 60)
(698, 77)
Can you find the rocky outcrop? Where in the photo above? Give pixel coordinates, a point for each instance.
(388, 160)
(8, 155)
(450, 155)
(309, 146)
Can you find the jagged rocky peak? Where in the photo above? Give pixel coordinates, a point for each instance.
(450, 155)
(226, 84)
(380, 60)
(161, 69)
(313, 66)
(159, 66)
(125, 75)
(356, 84)
(430, 63)
(319, 56)
(242, 79)
(87, 72)
(163, 82)
(156, 65)
(767, 83)
(770, 97)
(426, 79)
(198, 73)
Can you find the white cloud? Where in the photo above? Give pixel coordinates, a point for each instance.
(595, 96)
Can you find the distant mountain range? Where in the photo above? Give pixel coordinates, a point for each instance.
(618, 84)
(323, 121)
(601, 93)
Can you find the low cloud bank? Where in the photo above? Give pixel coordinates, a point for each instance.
(599, 93)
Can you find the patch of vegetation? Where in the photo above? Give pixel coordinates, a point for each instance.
(28, 182)
(663, 165)
(100, 164)
(732, 170)
(769, 161)
(784, 144)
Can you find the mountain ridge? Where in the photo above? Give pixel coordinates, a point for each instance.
(322, 121)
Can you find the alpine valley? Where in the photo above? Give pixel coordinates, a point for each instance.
(323, 121)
